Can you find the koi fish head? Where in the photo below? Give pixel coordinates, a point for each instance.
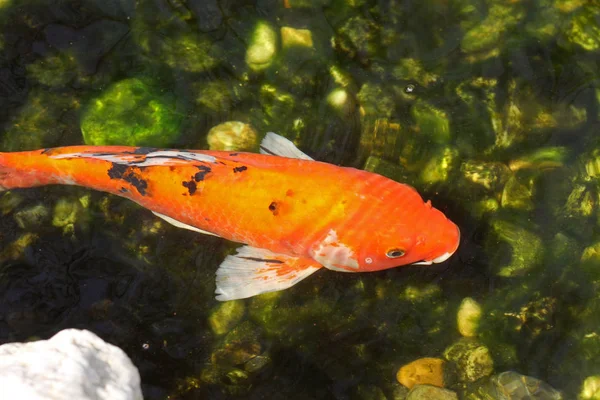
(429, 239)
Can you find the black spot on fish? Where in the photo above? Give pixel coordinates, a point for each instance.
(117, 171)
(266, 260)
(137, 182)
(47, 151)
(123, 190)
(191, 186)
(124, 172)
(204, 170)
(273, 207)
(233, 154)
(240, 169)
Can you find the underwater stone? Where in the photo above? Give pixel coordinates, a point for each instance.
(590, 389)
(380, 137)
(517, 194)
(490, 175)
(239, 346)
(431, 121)
(427, 370)
(226, 316)
(130, 113)
(501, 18)
(468, 317)
(411, 69)
(357, 37)
(441, 164)
(375, 101)
(472, 359)
(73, 364)
(580, 203)
(291, 37)
(262, 46)
(511, 385)
(548, 157)
(484, 206)
(257, 363)
(31, 217)
(232, 136)
(428, 392)
(340, 100)
(584, 29)
(526, 248)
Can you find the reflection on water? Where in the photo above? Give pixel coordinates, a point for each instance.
(488, 108)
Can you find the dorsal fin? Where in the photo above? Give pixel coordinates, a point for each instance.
(277, 145)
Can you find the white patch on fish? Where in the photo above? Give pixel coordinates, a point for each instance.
(160, 157)
(333, 254)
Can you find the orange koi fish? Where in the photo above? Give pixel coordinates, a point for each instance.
(294, 215)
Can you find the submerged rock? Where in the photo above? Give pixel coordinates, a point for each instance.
(239, 346)
(426, 370)
(130, 113)
(291, 37)
(472, 358)
(468, 317)
(590, 390)
(73, 364)
(511, 385)
(226, 316)
(232, 136)
(427, 392)
(526, 248)
(262, 46)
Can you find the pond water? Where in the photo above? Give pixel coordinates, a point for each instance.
(488, 108)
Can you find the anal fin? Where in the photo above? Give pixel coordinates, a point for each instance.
(253, 271)
(181, 225)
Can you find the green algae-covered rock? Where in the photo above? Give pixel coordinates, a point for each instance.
(232, 136)
(376, 100)
(32, 217)
(584, 29)
(47, 119)
(526, 249)
(501, 18)
(440, 166)
(226, 316)
(590, 389)
(428, 392)
(131, 113)
(518, 193)
(262, 46)
(433, 122)
(468, 317)
(472, 358)
(544, 158)
(238, 346)
(490, 175)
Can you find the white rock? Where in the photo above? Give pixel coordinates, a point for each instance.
(73, 364)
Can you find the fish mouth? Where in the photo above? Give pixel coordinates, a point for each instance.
(436, 260)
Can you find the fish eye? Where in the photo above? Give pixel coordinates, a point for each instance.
(395, 253)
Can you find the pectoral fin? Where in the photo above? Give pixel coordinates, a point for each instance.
(253, 271)
(181, 225)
